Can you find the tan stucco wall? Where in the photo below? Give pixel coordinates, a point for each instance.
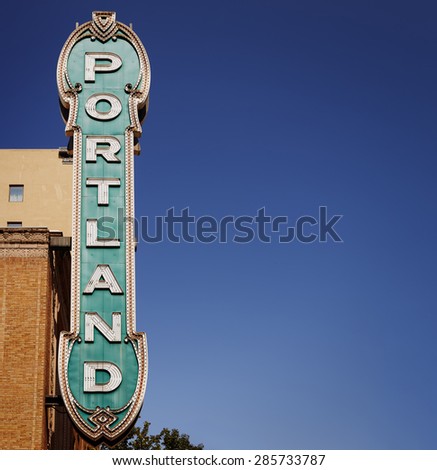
(47, 189)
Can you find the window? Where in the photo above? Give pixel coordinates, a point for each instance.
(16, 192)
(15, 224)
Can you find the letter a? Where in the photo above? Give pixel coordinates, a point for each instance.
(103, 278)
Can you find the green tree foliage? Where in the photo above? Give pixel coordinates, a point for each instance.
(167, 439)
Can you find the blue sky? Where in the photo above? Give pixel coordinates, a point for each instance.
(286, 105)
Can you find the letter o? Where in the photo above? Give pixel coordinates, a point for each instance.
(91, 106)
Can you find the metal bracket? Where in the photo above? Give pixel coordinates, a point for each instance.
(54, 400)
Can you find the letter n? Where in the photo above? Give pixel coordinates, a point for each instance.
(94, 320)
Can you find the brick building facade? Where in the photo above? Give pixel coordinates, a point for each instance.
(34, 308)
(35, 278)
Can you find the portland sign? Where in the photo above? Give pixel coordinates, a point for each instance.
(103, 78)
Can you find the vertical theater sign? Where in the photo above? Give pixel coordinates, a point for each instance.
(103, 78)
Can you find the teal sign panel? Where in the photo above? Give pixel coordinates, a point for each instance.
(103, 80)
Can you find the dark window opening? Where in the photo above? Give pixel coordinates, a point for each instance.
(16, 193)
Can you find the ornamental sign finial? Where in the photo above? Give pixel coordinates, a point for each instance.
(103, 87)
(103, 25)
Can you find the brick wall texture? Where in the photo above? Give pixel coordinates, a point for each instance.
(24, 346)
(34, 306)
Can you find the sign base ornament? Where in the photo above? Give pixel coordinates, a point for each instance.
(103, 78)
